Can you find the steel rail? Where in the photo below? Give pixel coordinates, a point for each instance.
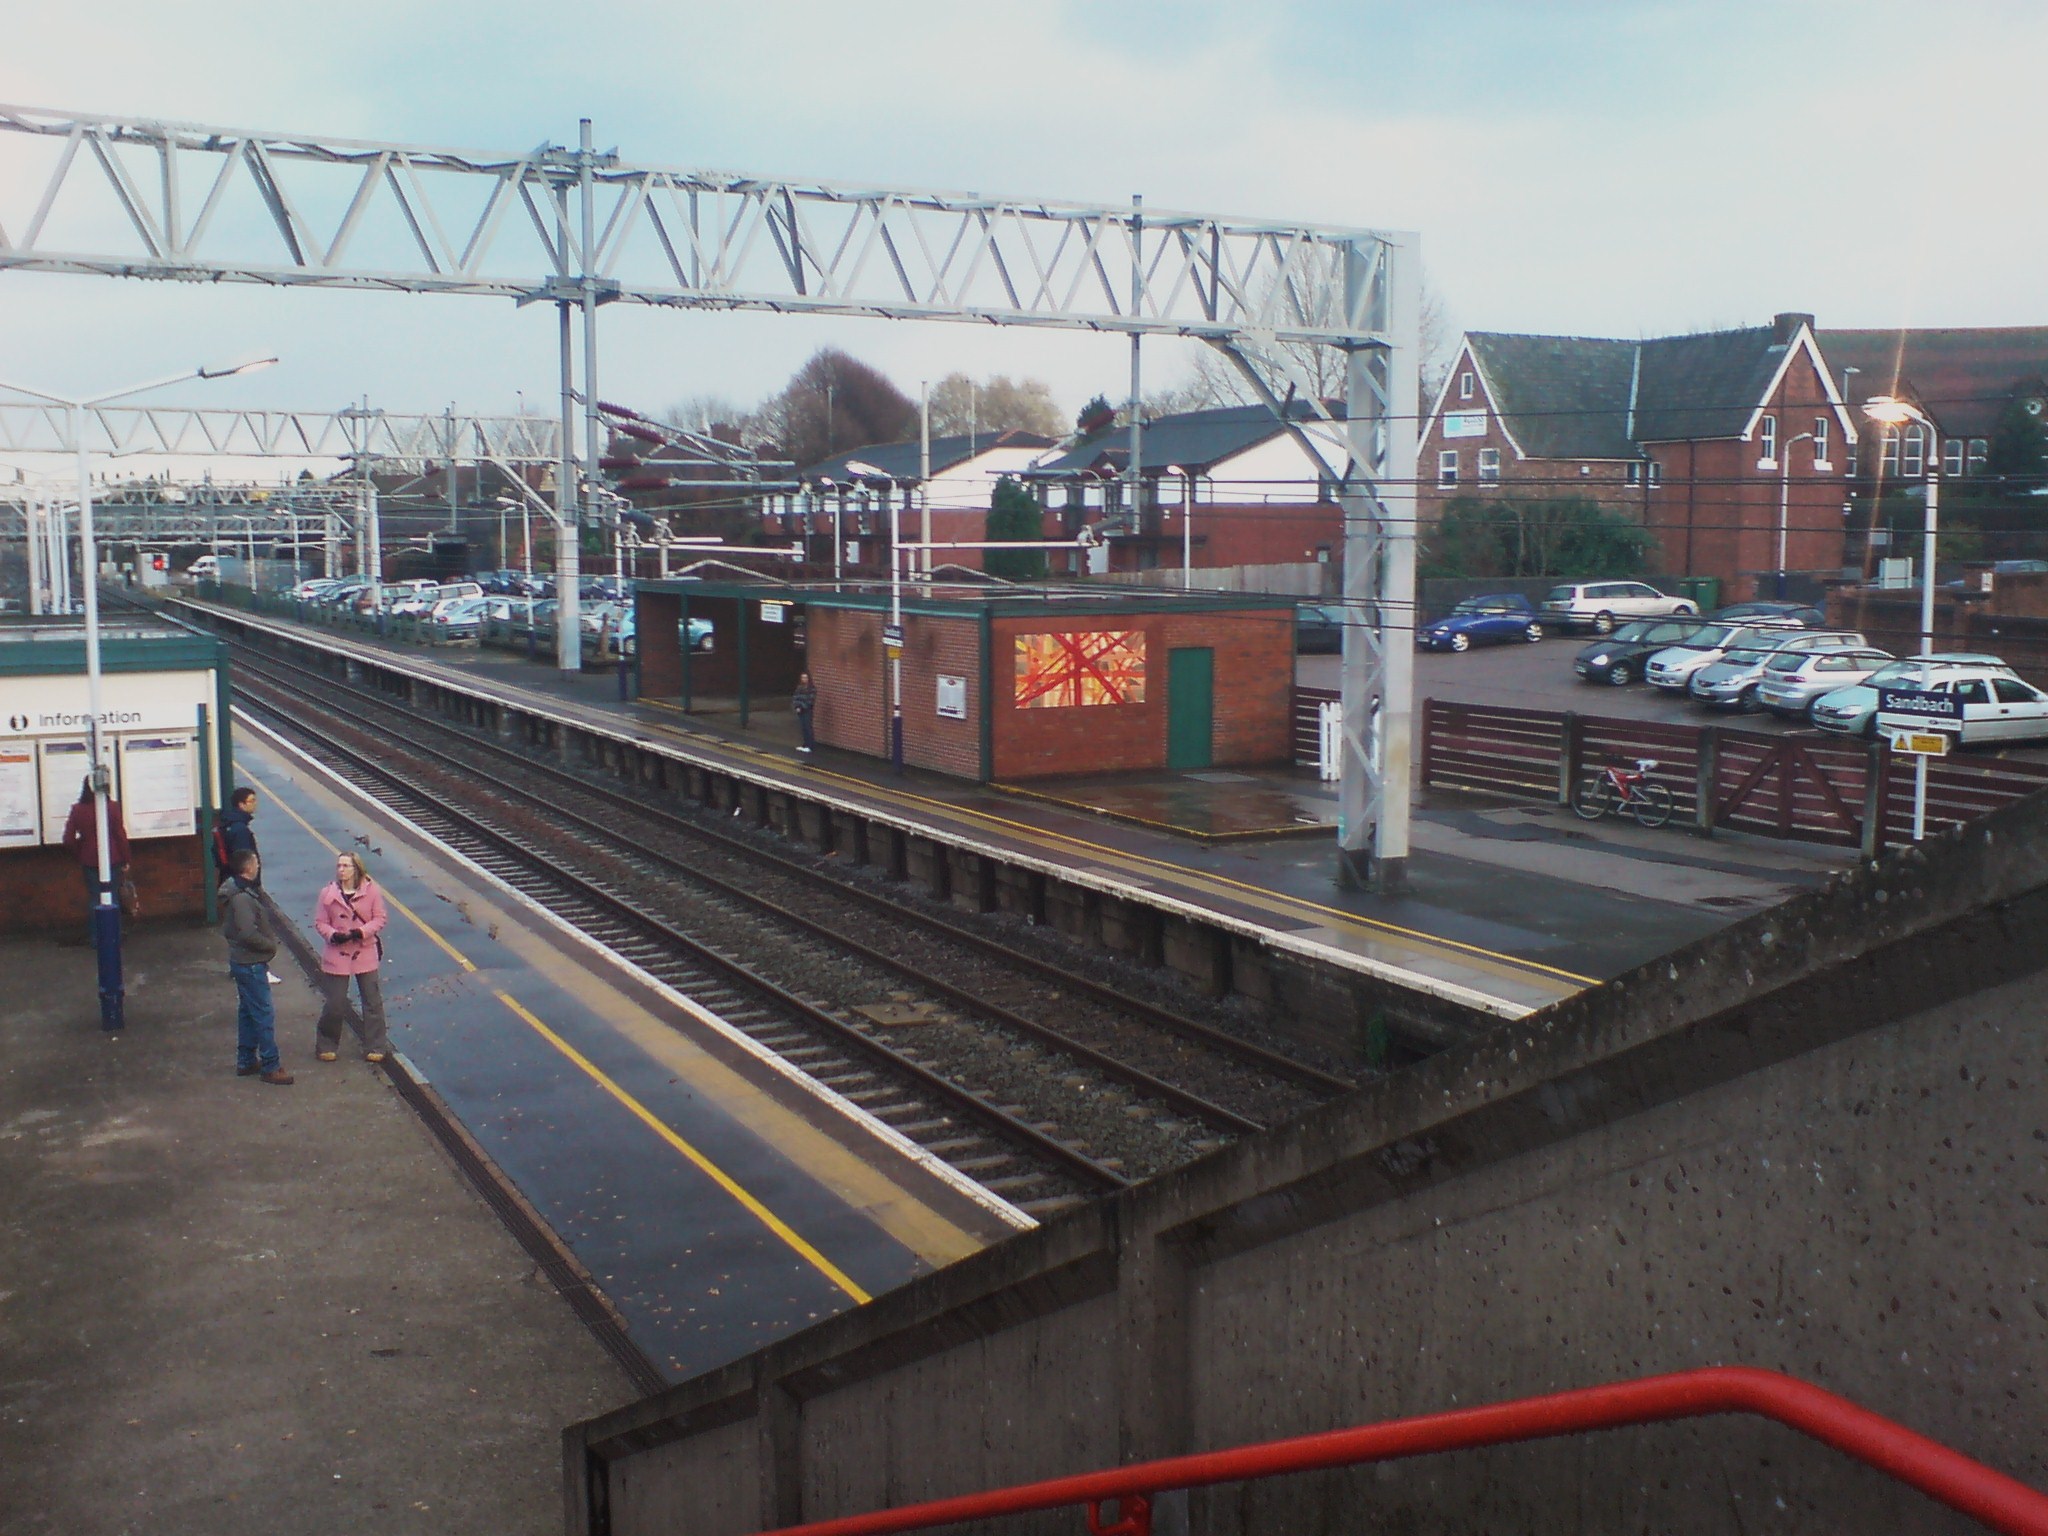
(1947, 1476)
(1007, 1126)
(1136, 1077)
(1191, 1029)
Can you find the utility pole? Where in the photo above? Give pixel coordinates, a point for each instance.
(924, 473)
(1137, 298)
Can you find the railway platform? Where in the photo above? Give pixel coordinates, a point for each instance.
(1509, 907)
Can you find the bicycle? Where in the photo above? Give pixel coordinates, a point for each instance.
(1617, 789)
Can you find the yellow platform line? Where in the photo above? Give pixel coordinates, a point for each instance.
(1275, 900)
(793, 1239)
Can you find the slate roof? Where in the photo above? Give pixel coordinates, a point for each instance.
(1195, 440)
(1962, 378)
(900, 462)
(1590, 397)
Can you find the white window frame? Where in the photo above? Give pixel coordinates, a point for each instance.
(1820, 442)
(1913, 452)
(1889, 465)
(1447, 466)
(1489, 464)
(1656, 474)
(1977, 455)
(1952, 457)
(1466, 385)
(1635, 474)
(1767, 442)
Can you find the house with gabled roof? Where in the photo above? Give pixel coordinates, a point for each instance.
(1228, 486)
(1729, 446)
(1963, 379)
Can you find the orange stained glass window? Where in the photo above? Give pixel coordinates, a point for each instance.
(1061, 670)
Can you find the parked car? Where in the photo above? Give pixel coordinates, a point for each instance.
(1483, 621)
(205, 568)
(1618, 660)
(312, 591)
(1318, 628)
(1671, 669)
(1731, 682)
(1795, 679)
(1996, 707)
(1757, 613)
(1600, 605)
(458, 618)
(1852, 711)
(453, 592)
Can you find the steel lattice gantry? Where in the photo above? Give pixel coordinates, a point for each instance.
(580, 228)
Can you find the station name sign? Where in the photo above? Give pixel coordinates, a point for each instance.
(1921, 704)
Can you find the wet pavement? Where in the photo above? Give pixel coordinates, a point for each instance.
(714, 1213)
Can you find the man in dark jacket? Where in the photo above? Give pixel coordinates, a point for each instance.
(232, 832)
(245, 925)
(802, 703)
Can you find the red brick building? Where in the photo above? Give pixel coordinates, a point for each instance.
(1726, 445)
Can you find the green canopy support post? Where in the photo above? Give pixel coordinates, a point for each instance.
(741, 604)
(683, 636)
(208, 876)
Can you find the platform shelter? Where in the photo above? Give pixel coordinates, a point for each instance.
(999, 682)
(164, 737)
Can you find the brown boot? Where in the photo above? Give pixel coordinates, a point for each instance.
(279, 1076)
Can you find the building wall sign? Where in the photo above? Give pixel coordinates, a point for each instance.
(952, 697)
(1465, 424)
(1067, 670)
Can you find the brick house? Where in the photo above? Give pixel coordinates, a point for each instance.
(852, 492)
(1253, 494)
(1715, 442)
(1964, 381)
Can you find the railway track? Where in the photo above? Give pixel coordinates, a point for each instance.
(604, 861)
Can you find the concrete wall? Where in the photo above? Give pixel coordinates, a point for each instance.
(1815, 1142)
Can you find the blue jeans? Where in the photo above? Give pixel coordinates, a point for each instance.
(256, 1018)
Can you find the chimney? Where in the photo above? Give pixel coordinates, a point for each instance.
(1785, 326)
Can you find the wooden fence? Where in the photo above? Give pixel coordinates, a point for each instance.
(1806, 786)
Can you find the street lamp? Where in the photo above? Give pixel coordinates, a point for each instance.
(1187, 524)
(1891, 412)
(856, 469)
(106, 916)
(1785, 498)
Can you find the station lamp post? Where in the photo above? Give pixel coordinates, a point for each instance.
(1891, 411)
(892, 639)
(1187, 523)
(106, 916)
(1785, 499)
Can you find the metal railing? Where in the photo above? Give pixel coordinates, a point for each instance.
(1949, 1477)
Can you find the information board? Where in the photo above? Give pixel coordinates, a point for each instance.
(952, 697)
(157, 795)
(63, 770)
(20, 823)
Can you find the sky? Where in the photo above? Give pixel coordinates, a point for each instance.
(1614, 169)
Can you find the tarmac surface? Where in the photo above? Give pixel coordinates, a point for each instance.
(227, 1307)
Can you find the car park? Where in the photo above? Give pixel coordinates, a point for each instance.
(1601, 605)
(1794, 680)
(1490, 620)
(1318, 628)
(1759, 613)
(1852, 711)
(1731, 682)
(1619, 659)
(460, 618)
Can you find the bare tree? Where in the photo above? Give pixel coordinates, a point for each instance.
(997, 404)
(833, 403)
(707, 412)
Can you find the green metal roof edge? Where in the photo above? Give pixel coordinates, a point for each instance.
(173, 653)
(1082, 602)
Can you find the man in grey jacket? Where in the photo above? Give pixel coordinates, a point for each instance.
(251, 946)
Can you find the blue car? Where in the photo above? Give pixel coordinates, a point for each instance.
(1501, 617)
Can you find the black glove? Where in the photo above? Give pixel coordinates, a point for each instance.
(355, 935)
(337, 938)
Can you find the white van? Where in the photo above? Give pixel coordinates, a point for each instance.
(205, 568)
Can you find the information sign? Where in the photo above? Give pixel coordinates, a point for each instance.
(1921, 743)
(1920, 704)
(952, 697)
(774, 613)
(892, 636)
(157, 796)
(20, 824)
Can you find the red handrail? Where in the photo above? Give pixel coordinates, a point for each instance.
(1998, 1501)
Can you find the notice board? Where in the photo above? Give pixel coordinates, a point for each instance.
(20, 821)
(157, 795)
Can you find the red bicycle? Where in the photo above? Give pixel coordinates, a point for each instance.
(1616, 789)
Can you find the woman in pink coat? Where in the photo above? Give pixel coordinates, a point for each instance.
(350, 918)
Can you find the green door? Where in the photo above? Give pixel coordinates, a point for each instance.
(1190, 706)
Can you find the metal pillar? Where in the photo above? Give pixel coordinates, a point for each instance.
(1381, 401)
(568, 520)
(31, 515)
(1137, 426)
(106, 916)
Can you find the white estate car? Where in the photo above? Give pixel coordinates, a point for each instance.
(1600, 605)
(1997, 706)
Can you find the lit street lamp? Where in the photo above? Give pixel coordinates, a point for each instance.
(1891, 411)
(106, 916)
(1187, 523)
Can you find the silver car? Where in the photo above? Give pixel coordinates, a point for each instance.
(1672, 668)
(1794, 680)
(1731, 682)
